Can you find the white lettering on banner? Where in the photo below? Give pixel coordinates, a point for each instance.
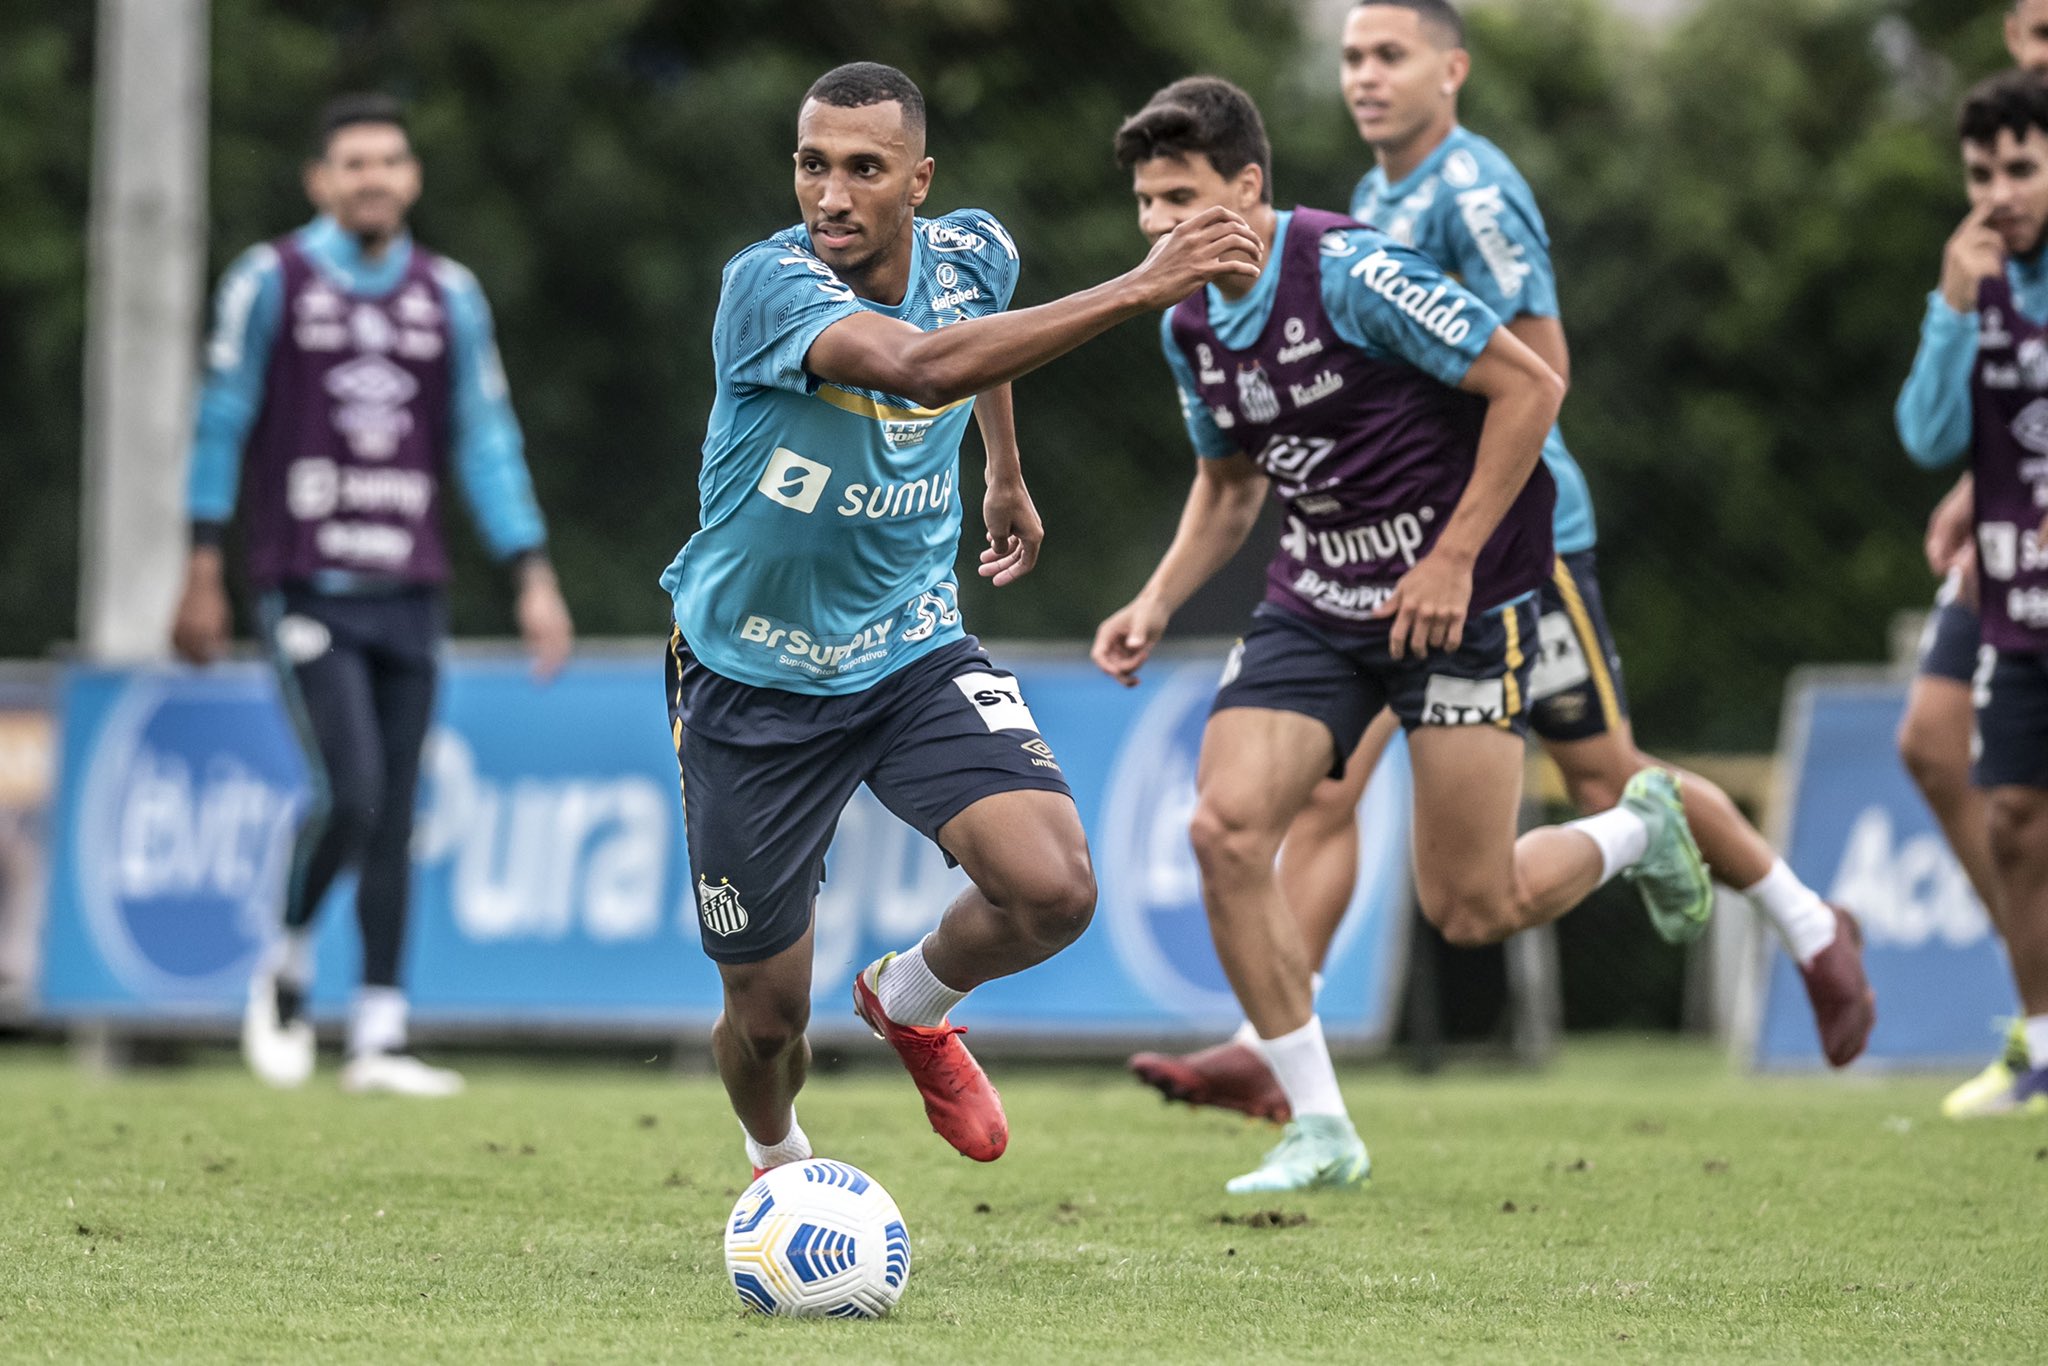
(1481, 210)
(536, 856)
(1381, 273)
(179, 836)
(1398, 536)
(1906, 893)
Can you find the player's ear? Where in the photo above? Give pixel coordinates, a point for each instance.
(1456, 68)
(315, 183)
(921, 181)
(1248, 186)
(2012, 32)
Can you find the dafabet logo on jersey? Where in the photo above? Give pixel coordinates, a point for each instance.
(794, 481)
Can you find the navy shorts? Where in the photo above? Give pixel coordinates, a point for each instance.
(1575, 689)
(1949, 641)
(766, 774)
(1286, 664)
(2010, 747)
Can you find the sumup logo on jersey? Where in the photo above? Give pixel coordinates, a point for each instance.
(184, 826)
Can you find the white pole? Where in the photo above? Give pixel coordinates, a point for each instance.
(143, 308)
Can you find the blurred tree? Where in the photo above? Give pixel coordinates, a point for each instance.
(1746, 209)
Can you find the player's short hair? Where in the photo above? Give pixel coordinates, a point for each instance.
(1200, 115)
(857, 85)
(345, 111)
(1440, 15)
(2013, 101)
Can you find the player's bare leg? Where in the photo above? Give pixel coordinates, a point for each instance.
(2019, 863)
(1823, 940)
(1934, 743)
(762, 1052)
(1032, 894)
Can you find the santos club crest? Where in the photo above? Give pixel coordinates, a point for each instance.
(720, 907)
(1255, 394)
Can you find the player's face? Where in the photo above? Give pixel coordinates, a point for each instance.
(2011, 177)
(1398, 80)
(1171, 189)
(860, 175)
(368, 180)
(2026, 35)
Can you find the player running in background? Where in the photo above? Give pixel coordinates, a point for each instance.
(1934, 733)
(1402, 428)
(1453, 196)
(349, 370)
(818, 641)
(1979, 384)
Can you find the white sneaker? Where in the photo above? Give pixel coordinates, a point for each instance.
(400, 1074)
(281, 1055)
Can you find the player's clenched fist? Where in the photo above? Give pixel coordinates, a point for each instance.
(1215, 244)
(1125, 641)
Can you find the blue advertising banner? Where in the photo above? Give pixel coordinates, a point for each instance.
(551, 885)
(1860, 833)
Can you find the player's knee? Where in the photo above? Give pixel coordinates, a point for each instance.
(2019, 830)
(1937, 769)
(1227, 847)
(1591, 792)
(1468, 918)
(351, 818)
(768, 1029)
(1059, 902)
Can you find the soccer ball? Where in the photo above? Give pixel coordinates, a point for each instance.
(817, 1239)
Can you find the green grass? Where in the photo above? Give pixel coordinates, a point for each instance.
(1636, 1202)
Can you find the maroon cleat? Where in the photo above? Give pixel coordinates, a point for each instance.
(962, 1106)
(1230, 1076)
(1844, 1006)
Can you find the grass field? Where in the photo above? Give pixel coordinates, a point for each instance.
(1636, 1202)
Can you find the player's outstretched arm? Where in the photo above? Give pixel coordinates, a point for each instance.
(1522, 396)
(1222, 507)
(933, 369)
(1015, 532)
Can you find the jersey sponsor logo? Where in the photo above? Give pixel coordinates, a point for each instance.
(1461, 170)
(1381, 272)
(950, 237)
(372, 393)
(997, 701)
(2030, 426)
(1041, 754)
(1289, 460)
(1223, 417)
(882, 502)
(1996, 376)
(1300, 346)
(2028, 607)
(317, 488)
(370, 545)
(1348, 601)
(1316, 390)
(2005, 549)
(948, 275)
(1991, 331)
(953, 298)
(1206, 361)
(1397, 537)
(1318, 505)
(2033, 360)
(1337, 242)
(793, 481)
(720, 908)
(1448, 701)
(816, 653)
(1255, 396)
(1482, 209)
(938, 607)
(906, 432)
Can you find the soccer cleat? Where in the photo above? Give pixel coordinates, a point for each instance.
(1230, 1076)
(2029, 1094)
(958, 1100)
(398, 1074)
(1671, 877)
(1844, 1006)
(278, 1047)
(1318, 1150)
(1990, 1092)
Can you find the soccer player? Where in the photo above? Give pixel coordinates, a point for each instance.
(818, 642)
(1402, 428)
(1452, 195)
(349, 369)
(1934, 733)
(1979, 384)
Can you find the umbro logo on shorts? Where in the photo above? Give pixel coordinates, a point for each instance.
(720, 907)
(1041, 754)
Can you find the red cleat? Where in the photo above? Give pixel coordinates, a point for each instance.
(1844, 1006)
(760, 1172)
(1230, 1076)
(963, 1108)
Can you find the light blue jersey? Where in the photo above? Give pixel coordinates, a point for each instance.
(1441, 340)
(1933, 413)
(830, 516)
(1467, 208)
(488, 452)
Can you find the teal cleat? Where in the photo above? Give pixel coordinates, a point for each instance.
(1670, 876)
(1317, 1150)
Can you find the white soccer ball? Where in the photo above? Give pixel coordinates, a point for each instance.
(817, 1239)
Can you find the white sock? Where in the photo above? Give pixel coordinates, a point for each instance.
(1248, 1033)
(2036, 1027)
(1804, 921)
(1301, 1060)
(909, 993)
(1621, 835)
(290, 958)
(377, 1024)
(794, 1147)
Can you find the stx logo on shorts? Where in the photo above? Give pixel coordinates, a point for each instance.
(794, 481)
(997, 700)
(720, 907)
(1450, 701)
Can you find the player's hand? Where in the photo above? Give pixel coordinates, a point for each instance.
(1215, 244)
(1965, 565)
(544, 619)
(199, 631)
(1014, 533)
(1428, 606)
(1125, 641)
(1974, 254)
(1949, 528)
